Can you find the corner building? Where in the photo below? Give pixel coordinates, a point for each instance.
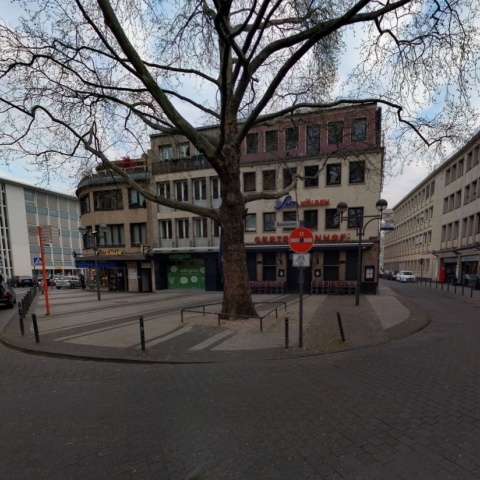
(338, 153)
(121, 253)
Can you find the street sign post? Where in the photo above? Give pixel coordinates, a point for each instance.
(300, 241)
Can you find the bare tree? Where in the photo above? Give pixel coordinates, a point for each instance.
(84, 79)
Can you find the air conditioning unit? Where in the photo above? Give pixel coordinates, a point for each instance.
(250, 229)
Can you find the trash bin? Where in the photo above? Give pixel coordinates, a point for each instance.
(477, 283)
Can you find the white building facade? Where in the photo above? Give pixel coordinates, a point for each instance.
(23, 208)
(437, 225)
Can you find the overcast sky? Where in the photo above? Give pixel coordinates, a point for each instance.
(395, 187)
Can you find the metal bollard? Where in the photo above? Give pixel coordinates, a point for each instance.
(142, 334)
(286, 333)
(340, 326)
(35, 328)
(20, 318)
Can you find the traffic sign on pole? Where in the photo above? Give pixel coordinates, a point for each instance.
(301, 240)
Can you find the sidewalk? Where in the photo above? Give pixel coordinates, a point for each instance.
(80, 326)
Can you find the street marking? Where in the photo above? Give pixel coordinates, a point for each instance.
(211, 340)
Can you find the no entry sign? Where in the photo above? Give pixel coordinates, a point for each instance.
(301, 240)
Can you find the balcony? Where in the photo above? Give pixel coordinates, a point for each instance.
(106, 177)
(197, 162)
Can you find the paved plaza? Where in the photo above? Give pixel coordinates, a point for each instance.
(405, 407)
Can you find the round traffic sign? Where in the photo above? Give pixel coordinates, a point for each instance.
(301, 240)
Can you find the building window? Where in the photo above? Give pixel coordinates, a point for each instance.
(181, 191)
(288, 174)
(249, 180)
(269, 180)
(357, 172)
(335, 133)
(108, 200)
(291, 138)
(334, 174)
(138, 234)
(332, 219)
(165, 152)
(163, 189)
(269, 266)
(290, 217)
(216, 229)
(182, 228)
(310, 219)
(166, 232)
(252, 142)
(200, 189)
(359, 129)
(311, 176)
(114, 236)
(29, 196)
(269, 222)
(355, 217)
(251, 222)
(215, 186)
(200, 227)
(183, 150)
(135, 199)
(313, 140)
(271, 140)
(85, 204)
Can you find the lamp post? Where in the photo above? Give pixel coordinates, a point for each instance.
(342, 207)
(94, 242)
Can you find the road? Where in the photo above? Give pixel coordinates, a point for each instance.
(404, 410)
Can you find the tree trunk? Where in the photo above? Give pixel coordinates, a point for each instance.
(237, 298)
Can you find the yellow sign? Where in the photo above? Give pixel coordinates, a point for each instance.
(113, 252)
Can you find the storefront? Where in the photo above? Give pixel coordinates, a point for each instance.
(117, 271)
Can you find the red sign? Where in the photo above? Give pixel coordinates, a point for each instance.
(301, 240)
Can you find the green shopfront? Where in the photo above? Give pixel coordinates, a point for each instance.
(185, 270)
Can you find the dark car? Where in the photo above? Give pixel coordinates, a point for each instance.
(25, 281)
(7, 296)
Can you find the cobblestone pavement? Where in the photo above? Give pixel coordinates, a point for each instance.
(405, 409)
(79, 325)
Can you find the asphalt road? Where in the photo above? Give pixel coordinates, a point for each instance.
(404, 410)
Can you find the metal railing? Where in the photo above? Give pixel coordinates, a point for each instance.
(202, 309)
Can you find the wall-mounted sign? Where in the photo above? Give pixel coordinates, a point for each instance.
(179, 256)
(288, 224)
(289, 202)
(315, 202)
(112, 252)
(316, 238)
(286, 202)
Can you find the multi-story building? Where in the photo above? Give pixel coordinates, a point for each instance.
(24, 208)
(121, 252)
(437, 224)
(339, 156)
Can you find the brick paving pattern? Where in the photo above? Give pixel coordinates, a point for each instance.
(403, 409)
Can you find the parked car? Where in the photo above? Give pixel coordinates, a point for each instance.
(405, 276)
(54, 279)
(25, 281)
(388, 275)
(8, 297)
(68, 281)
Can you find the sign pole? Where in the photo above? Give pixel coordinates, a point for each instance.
(44, 271)
(301, 241)
(300, 309)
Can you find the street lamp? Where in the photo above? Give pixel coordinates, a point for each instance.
(94, 242)
(342, 207)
